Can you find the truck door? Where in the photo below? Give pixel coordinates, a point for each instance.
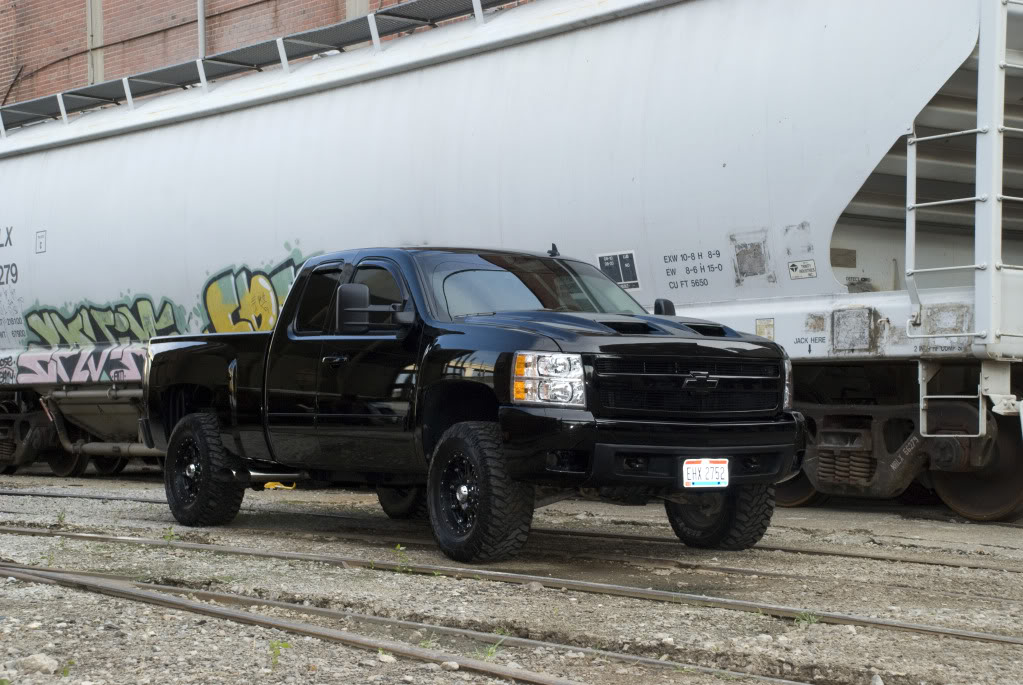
(293, 365)
(367, 382)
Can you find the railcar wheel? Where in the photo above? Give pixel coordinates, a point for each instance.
(733, 520)
(197, 493)
(477, 511)
(799, 492)
(404, 503)
(109, 466)
(996, 492)
(67, 465)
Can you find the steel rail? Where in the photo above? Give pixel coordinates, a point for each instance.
(626, 537)
(126, 591)
(660, 562)
(475, 635)
(762, 608)
(568, 532)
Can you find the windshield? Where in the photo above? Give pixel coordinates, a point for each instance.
(464, 284)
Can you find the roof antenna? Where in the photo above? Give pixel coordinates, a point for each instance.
(553, 252)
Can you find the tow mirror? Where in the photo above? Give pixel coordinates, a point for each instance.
(353, 308)
(664, 307)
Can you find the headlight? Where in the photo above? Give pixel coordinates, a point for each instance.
(786, 404)
(547, 378)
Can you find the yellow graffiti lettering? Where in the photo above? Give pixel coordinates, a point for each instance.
(240, 300)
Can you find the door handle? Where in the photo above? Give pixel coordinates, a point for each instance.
(335, 361)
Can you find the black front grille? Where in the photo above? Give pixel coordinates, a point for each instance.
(673, 365)
(656, 387)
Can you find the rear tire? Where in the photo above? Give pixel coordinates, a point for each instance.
(477, 511)
(109, 466)
(196, 492)
(732, 520)
(67, 465)
(404, 503)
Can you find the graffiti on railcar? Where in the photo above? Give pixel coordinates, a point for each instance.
(238, 300)
(90, 364)
(90, 342)
(7, 369)
(90, 324)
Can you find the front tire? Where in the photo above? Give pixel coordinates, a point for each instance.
(196, 491)
(9, 470)
(404, 503)
(478, 513)
(733, 520)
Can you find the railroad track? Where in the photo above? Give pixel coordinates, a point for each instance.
(571, 533)
(104, 583)
(426, 542)
(762, 608)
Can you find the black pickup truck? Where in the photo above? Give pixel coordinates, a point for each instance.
(471, 386)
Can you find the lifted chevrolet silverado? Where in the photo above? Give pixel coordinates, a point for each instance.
(471, 386)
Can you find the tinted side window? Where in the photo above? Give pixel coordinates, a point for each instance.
(383, 290)
(316, 301)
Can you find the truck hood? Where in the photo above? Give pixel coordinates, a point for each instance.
(630, 334)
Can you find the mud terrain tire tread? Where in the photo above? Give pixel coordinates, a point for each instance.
(745, 518)
(501, 529)
(218, 501)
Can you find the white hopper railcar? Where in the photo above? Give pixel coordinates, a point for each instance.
(746, 160)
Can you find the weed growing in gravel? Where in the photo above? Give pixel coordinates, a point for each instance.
(490, 652)
(5, 681)
(404, 563)
(51, 552)
(169, 535)
(66, 671)
(429, 643)
(61, 516)
(807, 618)
(275, 651)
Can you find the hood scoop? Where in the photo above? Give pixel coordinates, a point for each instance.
(708, 329)
(632, 327)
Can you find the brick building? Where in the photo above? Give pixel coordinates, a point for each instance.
(47, 46)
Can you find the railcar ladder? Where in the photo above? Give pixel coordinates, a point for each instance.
(988, 199)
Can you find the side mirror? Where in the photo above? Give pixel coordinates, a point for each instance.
(405, 318)
(353, 308)
(664, 307)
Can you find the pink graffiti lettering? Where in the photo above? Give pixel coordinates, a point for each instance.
(82, 364)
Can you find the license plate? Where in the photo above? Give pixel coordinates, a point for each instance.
(705, 473)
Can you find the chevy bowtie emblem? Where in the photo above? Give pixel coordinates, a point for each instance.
(699, 381)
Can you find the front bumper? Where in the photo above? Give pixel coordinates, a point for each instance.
(572, 448)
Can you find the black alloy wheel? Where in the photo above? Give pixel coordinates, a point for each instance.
(459, 494)
(186, 471)
(196, 474)
(477, 511)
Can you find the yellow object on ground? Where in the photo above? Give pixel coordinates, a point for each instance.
(274, 485)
